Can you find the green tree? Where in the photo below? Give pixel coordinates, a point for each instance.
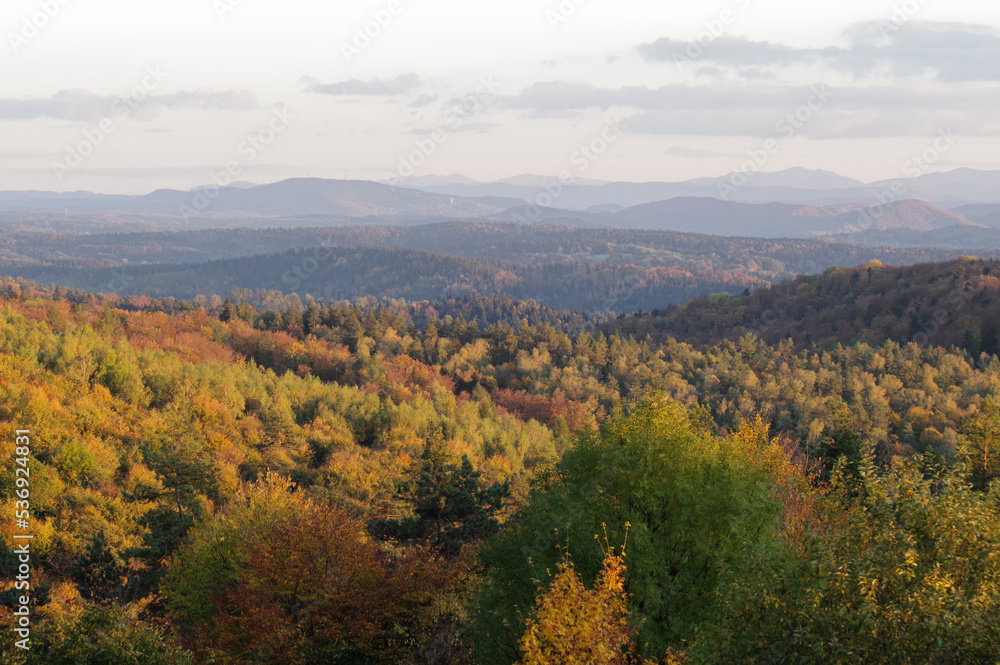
(99, 635)
(899, 567)
(981, 446)
(185, 474)
(101, 574)
(696, 503)
(450, 507)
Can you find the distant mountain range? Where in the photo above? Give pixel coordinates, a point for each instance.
(294, 197)
(904, 221)
(777, 220)
(795, 185)
(795, 203)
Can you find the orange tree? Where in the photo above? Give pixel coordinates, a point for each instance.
(278, 577)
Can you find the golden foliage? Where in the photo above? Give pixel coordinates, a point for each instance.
(574, 625)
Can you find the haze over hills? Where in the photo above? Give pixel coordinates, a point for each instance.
(794, 185)
(770, 259)
(777, 220)
(795, 203)
(298, 196)
(584, 269)
(794, 177)
(357, 197)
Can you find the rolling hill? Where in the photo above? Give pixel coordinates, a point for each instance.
(288, 198)
(782, 220)
(956, 303)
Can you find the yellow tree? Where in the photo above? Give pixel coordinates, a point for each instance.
(574, 625)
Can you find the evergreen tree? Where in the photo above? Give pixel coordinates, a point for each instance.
(450, 507)
(228, 311)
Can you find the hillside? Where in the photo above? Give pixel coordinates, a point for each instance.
(289, 198)
(348, 273)
(943, 304)
(607, 270)
(766, 258)
(180, 460)
(782, 220)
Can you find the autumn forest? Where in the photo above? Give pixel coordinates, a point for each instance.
(799, 475)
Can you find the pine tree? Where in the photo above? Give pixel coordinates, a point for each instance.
(450, 508)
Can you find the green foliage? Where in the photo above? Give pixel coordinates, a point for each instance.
(78, 465)
(694, 503)
(902, 568)
(450, 508)
(981, 449)
(157, 429)
(101, 574)
(99, 635)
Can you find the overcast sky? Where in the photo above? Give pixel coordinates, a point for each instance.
(126, 96)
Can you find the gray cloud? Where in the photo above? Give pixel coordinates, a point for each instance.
(726, 48)
(562, 97)
(951, 51)
(697, 153)
(85, 106)
(740, 108)
(919, 78)
(207, 98)
(381, 87)
(423, 100)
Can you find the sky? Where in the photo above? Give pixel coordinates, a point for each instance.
(124, 97)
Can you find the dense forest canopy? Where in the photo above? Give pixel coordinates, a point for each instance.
(268, 478)
(944, 304)
(596, 270)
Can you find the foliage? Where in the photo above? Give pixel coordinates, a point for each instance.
(297, 581)
(573, 624)
(98, 635)
(945, 304)
(177, 453)
(450, 509)
(981, 446)
(695, 503)
(904, 567)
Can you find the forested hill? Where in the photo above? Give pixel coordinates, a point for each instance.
(341, 273)
(372, 483)
(956, 303)
(469, 239)
(595, 270)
